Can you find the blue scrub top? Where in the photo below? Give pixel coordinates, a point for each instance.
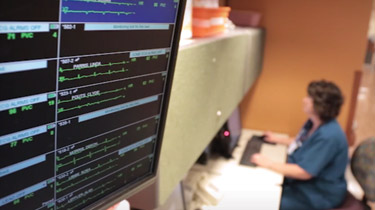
(324, 155)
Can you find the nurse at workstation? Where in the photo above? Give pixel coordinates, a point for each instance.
(317, 156)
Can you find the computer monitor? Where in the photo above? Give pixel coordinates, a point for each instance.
(84, 90)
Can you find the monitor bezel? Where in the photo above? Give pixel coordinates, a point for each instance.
(126, 192)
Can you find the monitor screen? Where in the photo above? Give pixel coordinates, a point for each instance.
(84, 88)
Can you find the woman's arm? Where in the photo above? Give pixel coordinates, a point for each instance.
(287, 169)
(270, 137)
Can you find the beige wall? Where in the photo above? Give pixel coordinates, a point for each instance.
(306, 40)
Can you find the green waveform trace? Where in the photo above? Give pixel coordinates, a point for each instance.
(91, 96)
(84, 179)
(106, 2)
(60, 110)
(66, 10)
(61, 70)
(92, 197)
(106, 141)
(74, 161)
(97, 167)
(109, 72)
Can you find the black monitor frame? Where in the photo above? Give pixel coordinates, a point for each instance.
(132, 188)
(128, 191)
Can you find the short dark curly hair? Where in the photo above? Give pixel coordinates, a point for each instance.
(327, 99)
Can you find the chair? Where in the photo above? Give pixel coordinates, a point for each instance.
(363, 169)
(351, 203)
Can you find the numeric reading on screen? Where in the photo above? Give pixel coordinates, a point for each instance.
(82, 84)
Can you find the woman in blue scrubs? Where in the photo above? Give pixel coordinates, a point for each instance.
(317, 157)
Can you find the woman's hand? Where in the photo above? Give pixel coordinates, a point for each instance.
(287, 169)
(271, 137)
(261, 160)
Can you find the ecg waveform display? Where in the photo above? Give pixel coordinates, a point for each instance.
(83, 93)
(78, 101)
(75, 129)
(88, 194)
(83, 39)
(139, 11)
(79, 177)
(85, 151)
(83, 71)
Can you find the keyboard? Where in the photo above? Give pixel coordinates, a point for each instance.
(253, 146)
